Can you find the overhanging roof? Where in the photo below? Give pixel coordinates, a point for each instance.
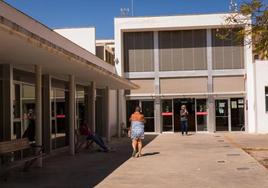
(24, 41)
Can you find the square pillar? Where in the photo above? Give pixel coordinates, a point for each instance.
(47, 144)
(106, 109)
(38, 109)
(6, 121)
(90, 106)
(210, 101)
(157, 102)
(72, 121)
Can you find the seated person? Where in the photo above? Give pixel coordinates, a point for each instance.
(84, 130)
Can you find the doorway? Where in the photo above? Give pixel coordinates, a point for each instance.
(167, 115)
(190, 105)
(237, 114)
(222, 115)
(147, 108)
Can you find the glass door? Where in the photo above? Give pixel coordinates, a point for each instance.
(58, 113)
(221, 108)
(148, 112)
(190, 105)
(237, 114)
(201, 114)
(167, 115)
(131, 105)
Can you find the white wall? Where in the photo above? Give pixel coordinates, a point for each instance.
(261, 81)
(84, 37)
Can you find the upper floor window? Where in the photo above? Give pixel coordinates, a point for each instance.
(138, 52)
(227, 53)
(183, 50)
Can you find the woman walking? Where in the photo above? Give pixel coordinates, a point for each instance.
(137, 131)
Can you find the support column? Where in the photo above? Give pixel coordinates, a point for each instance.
(38, 109)
(47, 144)
(157, 102)
(211, 102)
(6, 121)
(119, 124)
(107, 112)
(91, 98)
(121, 110)
(71, 114)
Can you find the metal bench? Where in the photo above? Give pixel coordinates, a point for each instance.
(7, 153)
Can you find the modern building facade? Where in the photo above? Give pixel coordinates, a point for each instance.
(105, 50)
(56, 81)
(180, 60)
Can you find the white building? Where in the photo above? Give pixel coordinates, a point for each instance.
(180, 60)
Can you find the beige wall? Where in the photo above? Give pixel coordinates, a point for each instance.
(228, 84)
(146, 86)
(183, 85)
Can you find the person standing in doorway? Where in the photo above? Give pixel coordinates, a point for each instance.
(184, 120)
(137, 131)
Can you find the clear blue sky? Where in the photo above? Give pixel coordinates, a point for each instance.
(100, 13)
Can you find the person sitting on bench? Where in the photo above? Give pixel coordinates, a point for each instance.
(85, 130)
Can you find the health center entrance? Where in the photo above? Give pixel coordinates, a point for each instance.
(170, 114)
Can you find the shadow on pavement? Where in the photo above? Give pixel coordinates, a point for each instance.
(151, 153)
(86, 169)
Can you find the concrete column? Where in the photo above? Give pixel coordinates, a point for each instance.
(251, 125)
(91, 98)
(121, 110)
(157, 103)
(47, 114)
(107, 112)
(6, 121)
(157, 112)
(211, 102)
(38, 109)
(72, 120)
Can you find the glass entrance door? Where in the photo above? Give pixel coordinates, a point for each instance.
(190, 105)
(167, 115)
(237, 114)
(148, 112)
(58, 116)
(221, 107)
(201, 114)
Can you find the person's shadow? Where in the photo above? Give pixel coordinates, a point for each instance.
(151, 153)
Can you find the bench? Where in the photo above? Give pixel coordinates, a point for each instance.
(8, 149)
(81, 140)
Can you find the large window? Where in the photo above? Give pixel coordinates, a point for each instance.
(227, 53)
(266, 98)
(138, 52)
(182, 50)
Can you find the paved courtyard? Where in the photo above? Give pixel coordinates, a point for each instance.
(204, 160)
(171, 160)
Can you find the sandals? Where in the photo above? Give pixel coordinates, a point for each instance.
(134, 153)
(138, 155)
